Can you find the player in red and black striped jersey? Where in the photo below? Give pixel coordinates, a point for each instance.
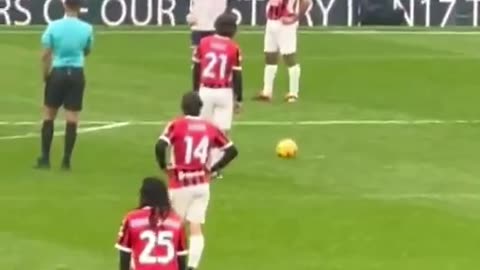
(191, 139)
(217, 59)
(281, 40)
(217, 76)
(152, 237)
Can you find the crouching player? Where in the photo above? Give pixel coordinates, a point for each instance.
(152, 234)
(217, 76)
(191, 139)
(281, 39)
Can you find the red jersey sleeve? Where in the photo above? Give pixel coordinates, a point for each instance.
(221, 140)
(237, 61)
(168, 133)
(124, 242)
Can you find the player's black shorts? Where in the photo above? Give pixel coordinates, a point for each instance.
(65, 87)
(196, 36)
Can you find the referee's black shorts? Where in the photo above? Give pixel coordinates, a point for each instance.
(65, 87)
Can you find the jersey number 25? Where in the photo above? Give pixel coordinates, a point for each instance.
(157, 239)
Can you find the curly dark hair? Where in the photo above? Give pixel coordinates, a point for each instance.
(154, 193)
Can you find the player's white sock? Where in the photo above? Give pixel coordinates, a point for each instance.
(268, 79)
(195, 250)
(294, 80)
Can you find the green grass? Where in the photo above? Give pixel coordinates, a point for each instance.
(359, 197)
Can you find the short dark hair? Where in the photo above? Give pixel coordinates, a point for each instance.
(74, 4)
(226, 25)
(191, 104)
(154, 193)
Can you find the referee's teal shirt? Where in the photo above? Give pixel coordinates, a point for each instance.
(68, 38)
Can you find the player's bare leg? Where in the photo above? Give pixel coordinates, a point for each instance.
(270, 72)
(294, 77)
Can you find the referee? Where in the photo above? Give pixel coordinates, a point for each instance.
(65, 43)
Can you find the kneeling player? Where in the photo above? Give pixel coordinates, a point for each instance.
(217, 76)
(191, 139)
(153, 234)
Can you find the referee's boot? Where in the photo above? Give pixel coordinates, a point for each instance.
(43, 163)
(66, 165)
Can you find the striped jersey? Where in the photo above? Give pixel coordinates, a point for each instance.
(191, 140)
(277, 9)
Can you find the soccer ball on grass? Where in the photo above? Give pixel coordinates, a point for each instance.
(287, 148)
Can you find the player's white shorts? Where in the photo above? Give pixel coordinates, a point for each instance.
(218, 106)
(280, 37)
(191, 202)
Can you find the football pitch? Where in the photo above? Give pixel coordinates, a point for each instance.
(387, 177)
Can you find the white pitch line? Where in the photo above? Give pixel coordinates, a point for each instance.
(61, 133)
(424, 196)
(311, 197)
(33, 123)
(161, 31)
(328, 122)
(387, 122)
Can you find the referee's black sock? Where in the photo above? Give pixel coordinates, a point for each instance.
(47, 137)
(70, 138)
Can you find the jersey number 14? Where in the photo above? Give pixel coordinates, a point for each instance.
(196, 151)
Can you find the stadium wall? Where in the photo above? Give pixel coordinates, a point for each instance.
(251, 12)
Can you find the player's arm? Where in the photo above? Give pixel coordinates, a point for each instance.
(196, 70)
(124, 246)
(124, 263)
(88, 47)
(194, 12)
(162, 145)
(230, 152)
(237, 78)
(304, 5)
(46, 59)
(161, 154)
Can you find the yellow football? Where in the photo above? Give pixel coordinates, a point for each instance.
(287, 148)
